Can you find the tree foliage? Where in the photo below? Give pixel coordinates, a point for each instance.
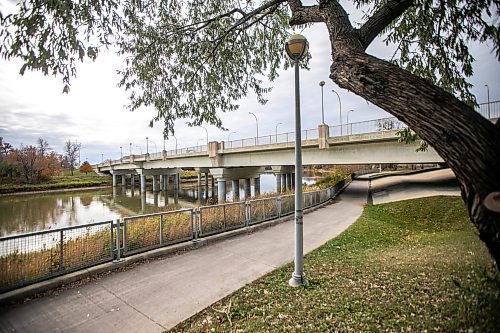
(86, 168)
(71, 150)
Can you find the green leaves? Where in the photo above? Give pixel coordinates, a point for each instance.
(193, 60)
(407, 136)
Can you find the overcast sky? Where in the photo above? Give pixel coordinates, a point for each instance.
(94, 113)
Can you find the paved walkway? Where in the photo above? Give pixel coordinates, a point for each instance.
(425, 184)
(157, 295)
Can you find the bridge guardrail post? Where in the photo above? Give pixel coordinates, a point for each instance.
(161, 229)
(117, 244)
(278, 206)
(248, 214)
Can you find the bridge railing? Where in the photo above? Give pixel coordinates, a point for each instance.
(32, 257)
(369, 126)
(490, 110)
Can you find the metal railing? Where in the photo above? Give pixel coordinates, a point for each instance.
(488, 110)
(32, 257)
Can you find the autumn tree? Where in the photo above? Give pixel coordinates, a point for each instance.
(86, 167)
(192, 59)
(71, 150)
(43, 146)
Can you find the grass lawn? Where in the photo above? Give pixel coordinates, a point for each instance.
(60, 182)
(409, 266)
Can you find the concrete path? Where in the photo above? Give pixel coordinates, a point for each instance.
(425, 184)
(157, 295)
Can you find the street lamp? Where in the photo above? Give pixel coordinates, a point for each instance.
(276, 132)
(205, 132)
(296, 48)
(102, 158)
(198, 143)
(131, 149)
(340, 103)
(322, 84)
(348, 121)
(147, 146)
(121, 154)
(488, 92)
(175, 144)
(257, 123)
(229, 136)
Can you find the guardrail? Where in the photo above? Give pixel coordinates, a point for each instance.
(37, 256)
(489, 110)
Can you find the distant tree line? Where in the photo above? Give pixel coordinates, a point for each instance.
(35, 163)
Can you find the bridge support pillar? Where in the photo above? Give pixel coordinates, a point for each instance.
(213, 186)
(278, 182)
(236, 189)
(177, 187)
(132, 180)
(114, 179)
(124, 180)
(283, 182)
(293, 180)
(155, 183)
(199, 186)
(247, 188)
(143, 184)
(288, 181)
(206, 185)
(256, 186)
(143, 201)
(161, 182)
(221, 191)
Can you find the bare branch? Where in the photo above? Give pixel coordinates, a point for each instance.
(381, 19)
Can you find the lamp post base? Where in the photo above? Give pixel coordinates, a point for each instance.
(297, 281)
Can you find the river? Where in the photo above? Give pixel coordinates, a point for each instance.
(50, 210)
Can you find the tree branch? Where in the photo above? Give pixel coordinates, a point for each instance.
(303, 14)
(381, 19)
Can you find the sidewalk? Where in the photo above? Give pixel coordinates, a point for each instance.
(155, 296)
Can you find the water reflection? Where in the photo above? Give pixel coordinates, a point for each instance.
(34, 212)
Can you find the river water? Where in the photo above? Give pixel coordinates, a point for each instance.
(35, 212)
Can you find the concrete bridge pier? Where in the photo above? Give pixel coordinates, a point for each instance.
(236, 189)
(155, 183)
(247, 188)
(143, 201)
(124, 180)
(155, 199)
(206, 185)
(213, 186)
(293, 180)
(114, 179)
(177, 187)
(221, 191)
(132, 181)
(278, 182)
(256, 186)
(161, 183)
(288, 181)
(143, 184)
(198, 187)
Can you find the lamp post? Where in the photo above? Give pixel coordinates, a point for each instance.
(206, 133)
(147, 146)
(102, 158)
(488, 92)
(229, 136)
(322, 84)
(296, 48)
(276, 132)
(130, 148)
(348, 121)
(121, 154)
(198, 143)
(340, 108)
(257, 123)
(175, 144)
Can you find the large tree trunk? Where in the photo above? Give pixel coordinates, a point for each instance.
(462, 137)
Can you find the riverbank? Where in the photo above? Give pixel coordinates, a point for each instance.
(414, 265)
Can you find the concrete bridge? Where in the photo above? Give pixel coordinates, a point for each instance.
(368, 142)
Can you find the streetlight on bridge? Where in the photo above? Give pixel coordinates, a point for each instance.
(340, 110)
(322, 84)
(229, 136)
(276, 131)
(488, 96)
(351, 110)
(206, 133)
(257, 123)
(147, 146)
(121, 154)
(131, 149)
(297, 47)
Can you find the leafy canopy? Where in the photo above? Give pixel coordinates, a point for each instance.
(192, 59)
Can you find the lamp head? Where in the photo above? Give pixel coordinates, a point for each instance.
(297, 47)
(322, 83)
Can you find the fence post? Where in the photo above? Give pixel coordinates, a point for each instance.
(194, 222)
(118, 247)
(61, 261)
(278, 206)
(247, 213)
(124, 236)
(161, 229)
